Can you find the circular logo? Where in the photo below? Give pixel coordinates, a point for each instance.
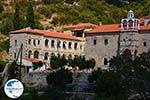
(13, 88)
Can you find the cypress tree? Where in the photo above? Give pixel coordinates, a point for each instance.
(30, 20)
(16, 19)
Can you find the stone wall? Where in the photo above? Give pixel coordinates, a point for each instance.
(101, 50)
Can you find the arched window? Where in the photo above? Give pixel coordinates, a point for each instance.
(58, 55)
(69, 57)
(29, 41)
(69, 45)
(127, 53)
(130, 23)
(52, 43)
(144, 44)
(15, 42)
(29, 54)
(75, 46)
(34, 42)
(105, 61)
(94, 42)
(105, 41)
(38, 42)
(64, 55)
(80, 47)
(58, 43)
(46, 42)
(15, 55)
(124, 23)
(36, 54)
(46, 56)
(64, 44)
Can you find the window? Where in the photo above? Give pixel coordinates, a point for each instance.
(15, 55)
(52, 43)
(106, 41)
(52, 54)
(34, 42)
(38, 42)
(36, 54)
(64, 56)
(69, 45)
(58, 55)
(46, 56)
(15, 42)
(64, 45)
(94, 42)
(46, 42)
(58, 43)
(29, 41)
(144, 44)
(105, 61)
(69, 57)
(75, 46)
(80, 47)
(29, 54)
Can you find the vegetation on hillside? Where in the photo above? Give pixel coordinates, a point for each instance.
(78, 61)
(69, 11)
(127, 79)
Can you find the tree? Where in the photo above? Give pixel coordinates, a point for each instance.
(37, 64)
(30, 20)
(125, 78)
(16, 19)
(90, 63)
(60, 77)
(6, 25)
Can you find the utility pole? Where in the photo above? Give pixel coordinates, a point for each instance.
(21, 49)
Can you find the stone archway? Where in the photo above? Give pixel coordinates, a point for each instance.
(36, 54)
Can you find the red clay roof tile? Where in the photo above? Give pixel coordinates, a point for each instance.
(46, 33)
(106, 28)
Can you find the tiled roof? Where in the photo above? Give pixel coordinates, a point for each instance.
(144, 28)
(80, 26)
(141, 20)
(46, 33)
(106, 28)
(34, 60)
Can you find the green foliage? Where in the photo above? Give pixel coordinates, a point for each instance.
(125, 78)
(1, 7)
(90, 63)
(46, 11)
(37, 65)
(77, 61)
(71, 1)
(60, 77)
(6, 25)
(16, 21)
(2, 65)
(30, 94)
(95, 74)
(51, 1)
(4, 45)
(30, 20)
(52, 94)
(58, 61)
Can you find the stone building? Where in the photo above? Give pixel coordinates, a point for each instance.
(42, 44)
(106, 41)
(79, 29)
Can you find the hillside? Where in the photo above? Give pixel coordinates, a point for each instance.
(4, 44)
(52, 13)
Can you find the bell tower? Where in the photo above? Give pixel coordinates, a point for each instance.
(128, 38)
